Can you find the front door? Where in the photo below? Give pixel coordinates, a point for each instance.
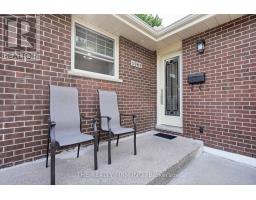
(170, 91)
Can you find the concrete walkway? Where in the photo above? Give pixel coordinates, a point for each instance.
(213, 170)
(158, 160)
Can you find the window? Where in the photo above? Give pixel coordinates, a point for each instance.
(94, 52)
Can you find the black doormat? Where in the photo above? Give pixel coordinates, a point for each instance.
(167, 136)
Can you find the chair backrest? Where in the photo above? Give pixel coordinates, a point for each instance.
(109, 107)
(64, 109)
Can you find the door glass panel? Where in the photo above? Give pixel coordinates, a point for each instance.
(172, 94)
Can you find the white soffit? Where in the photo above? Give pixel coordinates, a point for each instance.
(120, 27)
(134, 29)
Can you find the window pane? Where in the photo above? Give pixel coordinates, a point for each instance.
(80, 32)
(91, 46)
(94, 52)
(101, 49)
(81, 42)
(101, 41)
(88, 63)
(109, 52)
(109, 44)
(92, 41)
(91, 37)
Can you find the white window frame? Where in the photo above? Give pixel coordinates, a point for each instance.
(78, 72)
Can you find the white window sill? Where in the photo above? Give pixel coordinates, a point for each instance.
(94, 76)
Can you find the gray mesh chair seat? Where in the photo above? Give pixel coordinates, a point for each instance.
(65, 124)
(72, 138)
(110, 119)
(121, 130)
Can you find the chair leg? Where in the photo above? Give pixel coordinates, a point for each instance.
(47, 152)
(52, 164)
(95, 154)
(78, 150)
(98, 142)
(109, 148)
(117, 140)
(135, 148)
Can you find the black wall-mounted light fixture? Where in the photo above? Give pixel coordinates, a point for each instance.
(200, 45)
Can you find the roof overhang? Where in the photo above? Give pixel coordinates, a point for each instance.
(134, 29)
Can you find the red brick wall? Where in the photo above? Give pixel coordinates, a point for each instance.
(24, 94)
(226, 105)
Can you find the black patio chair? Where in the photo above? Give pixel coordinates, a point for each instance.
(65, 124)
(110, 120)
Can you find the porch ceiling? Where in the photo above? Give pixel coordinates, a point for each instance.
(137, 31)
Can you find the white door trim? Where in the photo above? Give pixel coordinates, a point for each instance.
(173, 122)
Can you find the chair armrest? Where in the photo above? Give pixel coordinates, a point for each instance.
(108, 118)
(108, 121)
(52, 125)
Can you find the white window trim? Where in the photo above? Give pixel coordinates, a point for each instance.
(77, 72)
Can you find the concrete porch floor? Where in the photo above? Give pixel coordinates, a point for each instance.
(208, 169)
(158, 160)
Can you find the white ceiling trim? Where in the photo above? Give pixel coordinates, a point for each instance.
(141, 33)
(158, 35)
(139, 29)
(180, 26)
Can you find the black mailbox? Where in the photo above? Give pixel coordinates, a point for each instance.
(196, 78)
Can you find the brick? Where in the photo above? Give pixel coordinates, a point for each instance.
(13, 159)
(226, 91)
(26, 90)
(13, 147)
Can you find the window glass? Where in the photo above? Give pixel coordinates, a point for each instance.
(94, 52)
(87, 63)
(172, 88)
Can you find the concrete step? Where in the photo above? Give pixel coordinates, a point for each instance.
(166, 176)
(157, 161)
